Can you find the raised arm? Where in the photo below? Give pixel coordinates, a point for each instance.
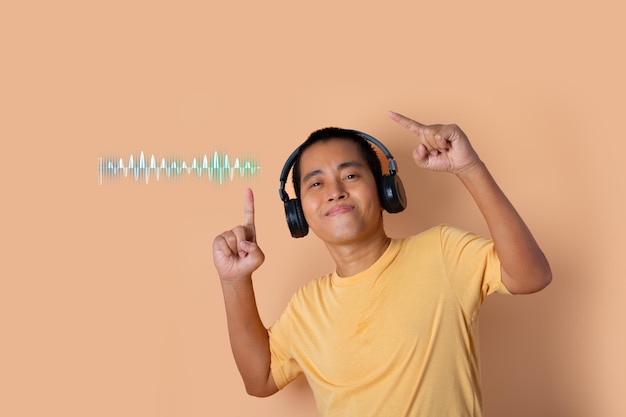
(525, 269)
(236, 256)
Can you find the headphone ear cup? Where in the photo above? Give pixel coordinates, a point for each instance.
(392, 195)
(295, 218)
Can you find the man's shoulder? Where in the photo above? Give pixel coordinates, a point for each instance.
(433, 232)
(313, 286)
(435, 238)
(436, 232)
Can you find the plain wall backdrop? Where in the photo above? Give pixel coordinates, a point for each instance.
(109, 303)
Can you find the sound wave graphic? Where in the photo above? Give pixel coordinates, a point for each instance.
(218, 168)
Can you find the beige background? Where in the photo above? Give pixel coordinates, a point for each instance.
(109, 304)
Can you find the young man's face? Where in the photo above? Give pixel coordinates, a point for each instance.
(338, 192)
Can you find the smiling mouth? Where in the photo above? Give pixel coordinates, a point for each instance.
(339, 210)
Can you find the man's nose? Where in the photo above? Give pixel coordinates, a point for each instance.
(337, 191)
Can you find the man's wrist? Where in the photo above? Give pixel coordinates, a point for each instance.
(237, 283)
(473, 171)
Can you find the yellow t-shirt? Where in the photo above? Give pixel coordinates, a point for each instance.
(398, 339)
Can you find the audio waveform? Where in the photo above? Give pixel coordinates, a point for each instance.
(219, 168)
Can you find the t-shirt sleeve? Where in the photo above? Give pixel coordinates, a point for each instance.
(472, 267)
(284, 366)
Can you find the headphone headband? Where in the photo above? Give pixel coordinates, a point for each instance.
(392, 163)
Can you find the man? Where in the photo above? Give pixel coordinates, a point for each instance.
(393, 330)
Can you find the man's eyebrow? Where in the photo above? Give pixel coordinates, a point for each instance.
(343, 165)
(350, 164)
(311, 174)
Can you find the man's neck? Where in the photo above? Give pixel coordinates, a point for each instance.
(355, 257)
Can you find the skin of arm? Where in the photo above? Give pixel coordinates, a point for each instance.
(236, 256)
(524, 267)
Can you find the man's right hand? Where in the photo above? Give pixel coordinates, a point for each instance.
(235, 252)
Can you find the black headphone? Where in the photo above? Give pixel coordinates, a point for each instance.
(391, 190)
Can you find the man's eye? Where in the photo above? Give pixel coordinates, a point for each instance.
(315, 184)
(351, 176)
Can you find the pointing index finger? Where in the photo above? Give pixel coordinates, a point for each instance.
(248, 215)
(248, 209)
(405, 122)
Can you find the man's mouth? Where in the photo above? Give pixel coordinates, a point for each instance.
(340, 209)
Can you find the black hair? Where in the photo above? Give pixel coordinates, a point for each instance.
(323, 135)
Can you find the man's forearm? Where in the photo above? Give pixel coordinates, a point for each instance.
(525, 269)
(248, 337)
